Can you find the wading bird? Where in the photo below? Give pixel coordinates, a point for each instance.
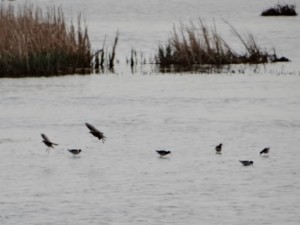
(47, 142)
(219, 148)
(74, 151)
(162, 153)
(246, 162)
(265, 151)
(96, 132)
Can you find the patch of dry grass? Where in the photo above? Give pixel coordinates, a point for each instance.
(192, 44)
(34, 42)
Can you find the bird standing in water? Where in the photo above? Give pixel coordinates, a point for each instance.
(246, 162)
(162, 153)
(96, 132)
(74, 151)
(219, 148)
(47, 142)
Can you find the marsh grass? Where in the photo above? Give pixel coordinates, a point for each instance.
(104, 60)
(281, 10)
(34, 42)
(198, 46)
(112, 55)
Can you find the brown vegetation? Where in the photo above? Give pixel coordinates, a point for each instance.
(192, 45)
(37, 43)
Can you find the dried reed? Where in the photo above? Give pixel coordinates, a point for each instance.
(192, 44)
(34, 42)
(113, 52)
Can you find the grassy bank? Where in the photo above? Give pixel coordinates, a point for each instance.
(197, 45)
(34, 42)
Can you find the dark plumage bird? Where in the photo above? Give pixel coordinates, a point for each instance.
(219, 148)
(246, 162)
(47, 142)
(163, 152)
(264, 151)
(96, 132)
(74, 151)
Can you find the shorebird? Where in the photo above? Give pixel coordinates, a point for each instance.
(265, 151)
(246, 162)
(96, 132)
(162, 153)
(47, 142)
(219, 148)
(74, 151)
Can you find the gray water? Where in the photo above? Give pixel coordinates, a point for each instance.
(124, 181)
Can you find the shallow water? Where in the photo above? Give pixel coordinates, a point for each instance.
(123, 181)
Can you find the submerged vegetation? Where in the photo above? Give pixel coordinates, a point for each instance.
(101, 60)
(281, 10)
(198, 46)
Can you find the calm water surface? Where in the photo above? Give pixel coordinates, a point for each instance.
(123, 181)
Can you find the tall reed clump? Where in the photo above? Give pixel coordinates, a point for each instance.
(34, 42)
(192, 44)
